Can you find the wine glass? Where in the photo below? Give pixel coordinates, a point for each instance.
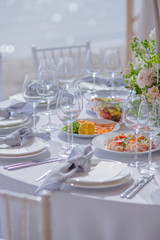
(93, 63)
(46, 64)
(135, 116)
(69, 105)
(66, 70)
(31, 95)
(112, 63)
(48, 91)
(151, 129)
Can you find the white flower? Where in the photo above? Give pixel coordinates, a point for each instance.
(152, 34)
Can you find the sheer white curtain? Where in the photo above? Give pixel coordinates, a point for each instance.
(145, 22)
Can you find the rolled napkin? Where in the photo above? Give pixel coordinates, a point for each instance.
(16, 138)
(78, 161)
(6, 112)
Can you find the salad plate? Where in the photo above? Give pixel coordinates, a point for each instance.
(99, 141)
(30, 147)
(102, 173)
(96, 121)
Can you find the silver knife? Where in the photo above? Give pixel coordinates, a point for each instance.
(140, 186)
(30, 164)
(128, 190)
(34, 161)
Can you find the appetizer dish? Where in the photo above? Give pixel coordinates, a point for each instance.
(126, 143)
(86, 127)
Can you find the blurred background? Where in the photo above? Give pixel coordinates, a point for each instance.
(48, 23)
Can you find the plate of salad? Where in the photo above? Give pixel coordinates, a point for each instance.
(89, 128)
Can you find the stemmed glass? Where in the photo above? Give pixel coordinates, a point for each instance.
(151, 129)
(31, 95)
(48, 91)
(112, 63)
(66, 70)
(69, 105)
(93, 63)
(46, 64)
(135, 116)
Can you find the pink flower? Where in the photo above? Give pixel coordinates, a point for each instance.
(153, 93)
(145, 78)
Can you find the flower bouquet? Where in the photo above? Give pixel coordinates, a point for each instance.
(142, 75)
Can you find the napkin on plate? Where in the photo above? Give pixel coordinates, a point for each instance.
(16, 138)
(77, 161)
(5, 112)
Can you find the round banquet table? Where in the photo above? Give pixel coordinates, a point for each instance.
(97, 214)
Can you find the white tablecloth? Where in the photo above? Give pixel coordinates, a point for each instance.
(88, 213)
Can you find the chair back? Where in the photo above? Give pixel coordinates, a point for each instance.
(24, 216)
(1, 77)
(77, 52)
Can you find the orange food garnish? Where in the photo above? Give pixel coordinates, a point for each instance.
(100, 128)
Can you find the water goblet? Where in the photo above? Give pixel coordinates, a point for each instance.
(93, 63)
(31, 95)
(69, 105)
(151, 129)
(49, 91)
(112, 63)
(135, 116)
(66, 71)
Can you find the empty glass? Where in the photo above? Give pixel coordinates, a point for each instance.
(48, 91)
(112, 63)
(151, 129)
(69, 105)
(93, 63)
(135, 116)
(66, 71)
(31, 95)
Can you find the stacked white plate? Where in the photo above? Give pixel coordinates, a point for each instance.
(102, 174)
(29, 147)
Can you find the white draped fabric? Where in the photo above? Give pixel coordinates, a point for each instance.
(98, 214)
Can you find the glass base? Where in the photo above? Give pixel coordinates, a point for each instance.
(137, 164)
(49, 128)
(65, 154)
(149, 170)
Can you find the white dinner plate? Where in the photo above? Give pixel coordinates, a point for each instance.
(13, 123)
(102, 174)
(99, 121)
(98, 142)
(29, 147)
(15, 120)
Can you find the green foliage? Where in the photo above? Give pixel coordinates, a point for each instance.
(75, 128)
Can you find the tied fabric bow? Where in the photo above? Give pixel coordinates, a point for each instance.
(78, 161)
(6, 112)
(15, 139)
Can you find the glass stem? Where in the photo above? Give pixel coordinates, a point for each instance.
(49, 113)
(34, 118)
(72, 142)
(135, 154)
(68, 139)
(150, 151)
(94, 80)
(113, 75)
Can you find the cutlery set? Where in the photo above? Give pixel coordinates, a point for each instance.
(136, 186)
(21, 165)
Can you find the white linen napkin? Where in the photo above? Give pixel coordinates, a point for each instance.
(16, 138)
(78, 160)
(5, 112)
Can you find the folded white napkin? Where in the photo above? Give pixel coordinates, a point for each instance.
(16, 138)
(78, 160)
(5, 112)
